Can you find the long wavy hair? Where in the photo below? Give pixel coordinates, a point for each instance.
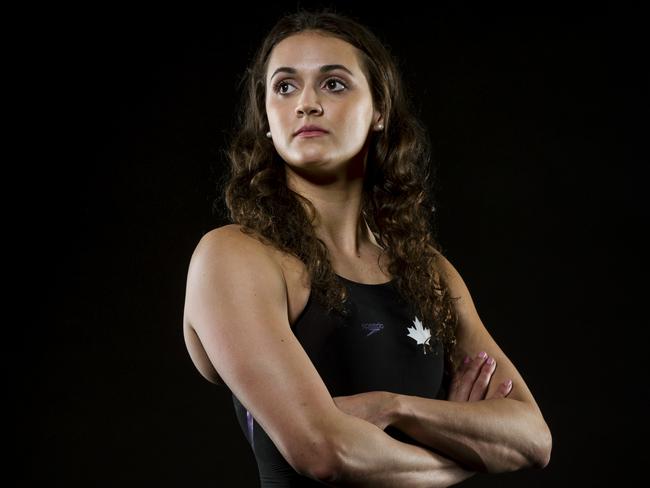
(397, 201)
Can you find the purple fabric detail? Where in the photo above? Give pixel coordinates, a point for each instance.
(249, 421)
(372, 328)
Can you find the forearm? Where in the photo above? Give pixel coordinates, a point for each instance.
(495, 435)
(367, 456)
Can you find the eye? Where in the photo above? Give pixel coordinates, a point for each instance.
(280, 85)
(332, 83)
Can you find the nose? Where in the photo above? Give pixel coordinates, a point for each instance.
(309, 104)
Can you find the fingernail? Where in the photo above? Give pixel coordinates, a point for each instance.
(508, 383)
(467, 359)
(482, 354)
(490, 360)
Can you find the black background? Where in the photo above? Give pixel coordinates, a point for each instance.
(536, 118)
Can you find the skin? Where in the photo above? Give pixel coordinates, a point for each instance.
(242, 329)
(328, 169)
(469, 384)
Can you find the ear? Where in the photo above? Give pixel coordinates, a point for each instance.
(377, 121)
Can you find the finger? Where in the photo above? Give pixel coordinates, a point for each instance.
(503, 390)
(470, 375)
(480, 386)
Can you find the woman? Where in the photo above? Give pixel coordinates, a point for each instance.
(326, 307)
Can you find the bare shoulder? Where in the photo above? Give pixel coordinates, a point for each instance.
(232, 231)
(233, 262)
(231, 240)
(469, 321)
(447, 271)
(227, 251)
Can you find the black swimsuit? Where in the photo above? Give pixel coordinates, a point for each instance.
(380, 346)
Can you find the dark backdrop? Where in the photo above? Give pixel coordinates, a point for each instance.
(536, 120)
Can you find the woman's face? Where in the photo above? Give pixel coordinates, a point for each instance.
(313, 79)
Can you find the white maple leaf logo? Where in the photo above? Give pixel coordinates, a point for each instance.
(420, 334)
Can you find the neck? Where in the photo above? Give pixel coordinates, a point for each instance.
(338, 223)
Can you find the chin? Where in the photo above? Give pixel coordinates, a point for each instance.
(317, 171)
(308, 159)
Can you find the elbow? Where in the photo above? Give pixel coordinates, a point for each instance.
(535, 453)
(316, 460)
(540, 450)
(544, 448)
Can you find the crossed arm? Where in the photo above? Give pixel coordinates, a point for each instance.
(244, 330)
(486, 424)
(494, 435)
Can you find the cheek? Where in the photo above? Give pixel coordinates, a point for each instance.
(358, 120)
(275, 116)
(271, 108)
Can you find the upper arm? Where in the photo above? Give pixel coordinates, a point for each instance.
(236, 301)
(472, 337)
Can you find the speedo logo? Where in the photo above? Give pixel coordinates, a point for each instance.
(371, 328)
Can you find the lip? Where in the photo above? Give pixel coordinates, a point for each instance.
(310, 131)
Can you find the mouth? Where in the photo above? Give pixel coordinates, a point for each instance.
(311, 133)
(310, 130)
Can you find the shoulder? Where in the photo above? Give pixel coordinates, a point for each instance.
(230, 247)
(229, 263)
(448, 273)
(458, 290)
(231, 236)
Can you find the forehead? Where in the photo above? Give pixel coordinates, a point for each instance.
(308, 51)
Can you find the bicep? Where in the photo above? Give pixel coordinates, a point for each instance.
(236, 302)
(473, 337)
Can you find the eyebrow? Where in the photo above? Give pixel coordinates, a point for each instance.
(323, 69)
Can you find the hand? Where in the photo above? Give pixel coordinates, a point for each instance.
(470, 382)
(373, 406)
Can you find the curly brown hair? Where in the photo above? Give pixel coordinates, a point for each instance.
(397, 201)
